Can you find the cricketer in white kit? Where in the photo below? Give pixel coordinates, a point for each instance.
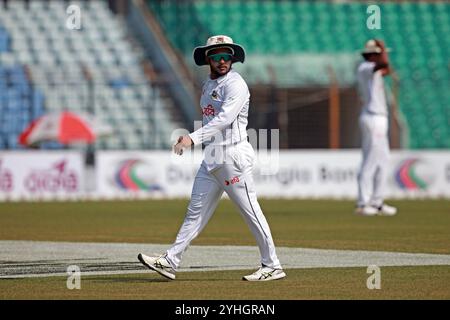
(227, 165)
(373, 123)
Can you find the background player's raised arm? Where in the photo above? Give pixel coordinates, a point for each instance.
(382, 61)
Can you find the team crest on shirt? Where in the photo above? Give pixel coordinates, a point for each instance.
(214, 94)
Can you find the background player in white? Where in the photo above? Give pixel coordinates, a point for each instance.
(373, 123)
(224, 102)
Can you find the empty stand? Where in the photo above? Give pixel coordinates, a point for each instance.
(46, 67)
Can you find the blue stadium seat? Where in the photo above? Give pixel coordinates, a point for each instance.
(19, 104)
(4, 40)
(44, 67)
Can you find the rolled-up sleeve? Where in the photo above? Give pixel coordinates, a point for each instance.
(235, 95)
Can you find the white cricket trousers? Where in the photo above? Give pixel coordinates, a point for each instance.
(236, 180)
(375, 156)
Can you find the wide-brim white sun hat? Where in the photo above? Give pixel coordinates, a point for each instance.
(371, 46)
(215, 42)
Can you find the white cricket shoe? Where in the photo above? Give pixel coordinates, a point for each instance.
(386, 210)
(265, 274)
(368, 211)
(158, 264)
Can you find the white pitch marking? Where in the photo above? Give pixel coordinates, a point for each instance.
(23, 259)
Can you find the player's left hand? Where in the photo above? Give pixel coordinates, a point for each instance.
(183, 142)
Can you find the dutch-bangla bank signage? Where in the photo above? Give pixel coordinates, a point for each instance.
(41, 175)
(289, 174)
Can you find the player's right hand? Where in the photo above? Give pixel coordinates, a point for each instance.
(380, 44)
(177, 149)
(183, 142)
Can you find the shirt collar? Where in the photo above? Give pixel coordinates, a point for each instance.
(222, 78)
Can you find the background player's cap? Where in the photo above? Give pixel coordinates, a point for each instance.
(371, 46)
(218, 41)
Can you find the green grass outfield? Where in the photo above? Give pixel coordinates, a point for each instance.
(420, 227)
(424, 282)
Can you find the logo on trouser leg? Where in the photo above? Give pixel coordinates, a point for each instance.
(232, 181)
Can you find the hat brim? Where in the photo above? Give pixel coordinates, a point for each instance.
(372, 51)
(200, 56)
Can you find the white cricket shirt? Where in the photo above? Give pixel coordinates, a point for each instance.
(224, 104)
(371, 89)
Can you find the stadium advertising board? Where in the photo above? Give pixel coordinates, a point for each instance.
(35, 175)
(292, 174)
(122, 174)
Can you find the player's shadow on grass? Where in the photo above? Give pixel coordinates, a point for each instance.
(150, 280)
(127, 280)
